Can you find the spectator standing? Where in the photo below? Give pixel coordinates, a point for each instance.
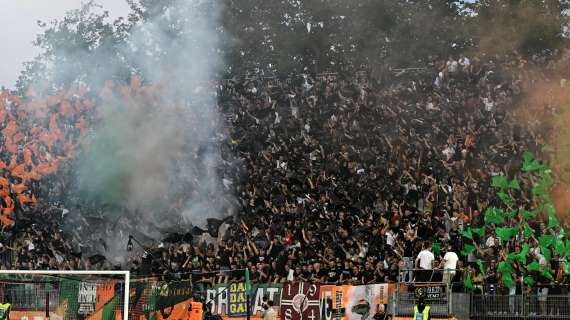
(449, 263)
(424, 262)
(269, 313)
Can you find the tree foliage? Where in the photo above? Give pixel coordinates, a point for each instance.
(293, 36)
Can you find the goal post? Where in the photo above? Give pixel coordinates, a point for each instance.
(66, 294)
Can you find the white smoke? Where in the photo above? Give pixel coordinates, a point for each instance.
(153, 161)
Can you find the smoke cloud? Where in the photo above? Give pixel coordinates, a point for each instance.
(152, 164)
(544, 110)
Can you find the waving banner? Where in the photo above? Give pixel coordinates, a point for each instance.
(353, 302)
(300, 301)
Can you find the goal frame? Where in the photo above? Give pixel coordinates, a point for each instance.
(125, 273)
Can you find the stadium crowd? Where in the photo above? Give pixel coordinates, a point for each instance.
(346, 178)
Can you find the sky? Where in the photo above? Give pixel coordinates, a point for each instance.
(18, 29)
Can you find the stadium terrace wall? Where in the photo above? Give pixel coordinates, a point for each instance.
(152, 299)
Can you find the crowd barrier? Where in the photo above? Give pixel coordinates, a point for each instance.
(88, 299)
(530, 306)
(155, 299)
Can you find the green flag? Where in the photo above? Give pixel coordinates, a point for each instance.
(540, 190)
(524, 252)
(514, 184)
(529, 214)
(505, 267)
(529, 164)
(547, 177)
(479, 231)
(511, 257)
(494, 216)
(480, 264)
(511, 214)
(505, 234)
(534, 266)
(560, 248)
(508, 280)
(468, 282)
(546, 253)
(467, 249)
(528, 232)
(546, 240)
(505, 198)
(528, 280)
(553, 221)
(545, 273)
(506, 270)
(436, 248)
(550, 209)
(500, 182)
(468, 233)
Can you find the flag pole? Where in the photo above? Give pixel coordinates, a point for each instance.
(247, 292)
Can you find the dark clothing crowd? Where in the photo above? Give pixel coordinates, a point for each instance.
(349, 178)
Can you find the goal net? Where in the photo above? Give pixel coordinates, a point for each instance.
(68, 295)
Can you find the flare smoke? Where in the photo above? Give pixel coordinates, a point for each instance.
(152, 164)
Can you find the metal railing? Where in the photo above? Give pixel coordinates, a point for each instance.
(449, 298)
(530, 306)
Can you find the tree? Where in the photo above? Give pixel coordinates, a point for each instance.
(83, 46)
(526, 25)
(290, 36)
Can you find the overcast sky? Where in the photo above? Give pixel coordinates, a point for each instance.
(18, 28)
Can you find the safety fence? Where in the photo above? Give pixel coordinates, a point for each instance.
(60, 295)
(529, 306)
(446, 303)
(97, 298)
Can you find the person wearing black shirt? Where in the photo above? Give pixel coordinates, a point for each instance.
(346, 273)
(369, 275)
(356, 276)
(333, 275)
(307, 272)
(319, 274)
